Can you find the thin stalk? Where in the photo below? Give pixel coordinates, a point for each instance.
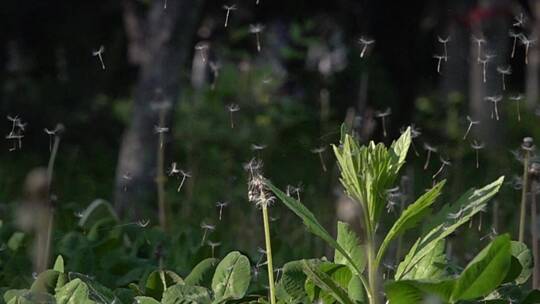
(160, 178)
(523, 197)
(372, 270)
(534, 240)
(269, 254)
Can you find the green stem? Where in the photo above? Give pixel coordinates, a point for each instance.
(269, 254)
(523, 197)
(372, 269)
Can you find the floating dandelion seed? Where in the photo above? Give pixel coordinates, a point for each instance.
(382, 116)
(16, 133)
(228, 8)
(221, 205)
(365, 42)
(487, 58)
(78, 214)
(257, 29)
(393, 195)
(174, 169)
(99, 54)
(479, 42)
(477, 146)
(294, 190)
(495, 100)
(527, 43)
(320, 151)
(165, 4)
(213, 246)
(471, 124)
(504, 71)
(439, 60)
(206, 228)
(185, 175)
(160, 130)
(215, 67)
(519, 21)
(430, 149)
(232, 108)
(52, 133)
(515, 36)
(491, 234)
(517, 98)
(202, 49)
(444, 42)
(444, 163)
(143, 223)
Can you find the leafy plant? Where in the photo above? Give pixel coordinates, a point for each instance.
(354, 276)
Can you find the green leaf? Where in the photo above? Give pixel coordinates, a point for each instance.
(29, 297)
(348, 240)
(232, 277)
(15, 241)
(485, 272)
(202, 272)
(325, 282)
(74, 292)
(410, 291)
(311, 222)
(523, 254)
(48, 281)
(146, 300)
(59, 264)
(97, 292)
(290, 288)
(431, 266)
(158, 281)
(185, 294)
(400, 148)
(355, 290)
(533, 297)
(410, 217)
(446, 222)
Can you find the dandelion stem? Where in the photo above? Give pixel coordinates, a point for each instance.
(322, 162)
(427, 160)
(269, 253)
(523, 196)
(477, 163)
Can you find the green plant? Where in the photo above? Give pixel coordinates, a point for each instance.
(424, 273)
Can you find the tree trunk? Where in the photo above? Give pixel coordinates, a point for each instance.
(533, 59)
(160, 41)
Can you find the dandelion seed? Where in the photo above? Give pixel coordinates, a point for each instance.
(519, 21)
(165, 5)
(52, 133)
(491, 234)
(393, 196)
(479, 42)
(487, 58)
(291, 190)
(214, 67)
(320, 151)
(221, 205)
(202, 49)
(495, 100)
(185, 175)
(528, 144)
(99, 54)
(365, 42)
(213, 246)
(228, 8)
(78, 214)
(143, 223)
(278, 271)
(471, 124)
(517, 98)
(527, 43)
(257, 190)
(257, 29)
(515, 36)
(504, 71)
(174, 169)
(439, 60)
(16, 134)
(160, 130)
(444, 163)
(382, 116)
(232, 108)
(430, 149)
(206, 228)
(444, 41)
(255, 272)
(477, 146)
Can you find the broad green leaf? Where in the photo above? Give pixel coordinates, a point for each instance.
(311, 222)
(158, 281)
(485, 272)
(355, 290)
(325, 282)
(410, 217)
(59, 264)
(145, 300)
(97, 292)
(348, 240)
(446, 222)
(290, 288)
(232, 277)
(400, 148)
(202, 272)
(431, 266)
(30, 297)
(185, 294)
(409, 291)
(523, 254)
(12, 293)
(74, 292)
(48, 281)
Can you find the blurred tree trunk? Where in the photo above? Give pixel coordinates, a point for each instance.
(532, 90)
(160, 41)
